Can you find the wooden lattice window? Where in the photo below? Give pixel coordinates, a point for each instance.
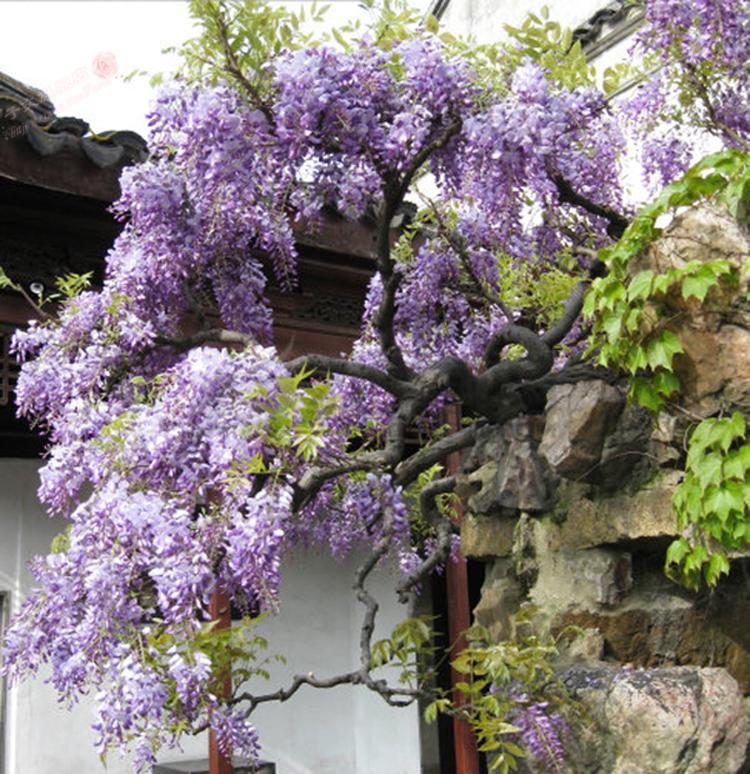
(8, 365)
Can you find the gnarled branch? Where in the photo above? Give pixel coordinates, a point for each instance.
(568, 195)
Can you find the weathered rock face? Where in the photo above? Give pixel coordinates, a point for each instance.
(669, 630)
(485, 537)
(628, 452)
(660, 721)
(508, 474)
(579, 417)
(501, 598)
(593, 521)
(572, 511)
(715, 333)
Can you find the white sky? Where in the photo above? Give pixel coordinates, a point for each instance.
(59, 45)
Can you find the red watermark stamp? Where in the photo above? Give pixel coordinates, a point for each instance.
(104, 65)
(83, 82)
(66, 93)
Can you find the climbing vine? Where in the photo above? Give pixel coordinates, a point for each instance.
(633, 316)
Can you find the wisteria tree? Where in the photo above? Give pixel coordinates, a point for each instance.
(188, 458)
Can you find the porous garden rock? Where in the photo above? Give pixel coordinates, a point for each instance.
(483, 537)
(501, 597)
(714, 362)
(715, 332)
(656, 629)
(647, 513)
(627, 455)
(705, 232)
(507, 473)
(660, 721)
(581, 580)
(579, 417)
(563, 579)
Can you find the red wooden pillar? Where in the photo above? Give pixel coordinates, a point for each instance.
(220, 609)
(459, 619)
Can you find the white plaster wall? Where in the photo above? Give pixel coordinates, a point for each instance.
(337, 731)
(484, 19)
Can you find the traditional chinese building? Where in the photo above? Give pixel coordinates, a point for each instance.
(57, 180)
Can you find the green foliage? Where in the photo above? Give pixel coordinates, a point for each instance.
(540, 292)
(631, 315)
(61, 542)
(614, 77)
(550, 45)
(6, 283)
(630, 312)
(297, 415)
(712, 502)
(391, 22)
(237, 650)
(71, 284)
(420, 527)
(407, 649)
(538, 38)
(239, 37)
(499, 680)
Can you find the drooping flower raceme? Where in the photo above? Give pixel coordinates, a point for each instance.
(696, 78)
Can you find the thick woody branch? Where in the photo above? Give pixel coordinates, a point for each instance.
(211, 336)
(410, 468)
(394, 191)
(335, 365)
(448, 373)
(513, 333)
(568, 195)
(390, 280)
(570, 314)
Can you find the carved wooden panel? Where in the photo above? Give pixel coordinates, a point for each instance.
(8, 366)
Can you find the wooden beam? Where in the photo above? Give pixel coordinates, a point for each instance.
(221, 611)
(459, 619)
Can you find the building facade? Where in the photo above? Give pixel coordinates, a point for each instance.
(57, 180)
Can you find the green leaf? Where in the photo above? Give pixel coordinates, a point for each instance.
(646, 395)
(666, 383)
(5, 280)
(432, 709)
(513, 749)
(661, 350)
(717, 566)
(677, 551)
(708, 470)
(696, 558)
(697, 286)
(612, 325)
(737, 463)
(640, 286)
(721, 500)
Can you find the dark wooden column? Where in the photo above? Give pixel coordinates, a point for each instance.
(459, 619)
(221, 611)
